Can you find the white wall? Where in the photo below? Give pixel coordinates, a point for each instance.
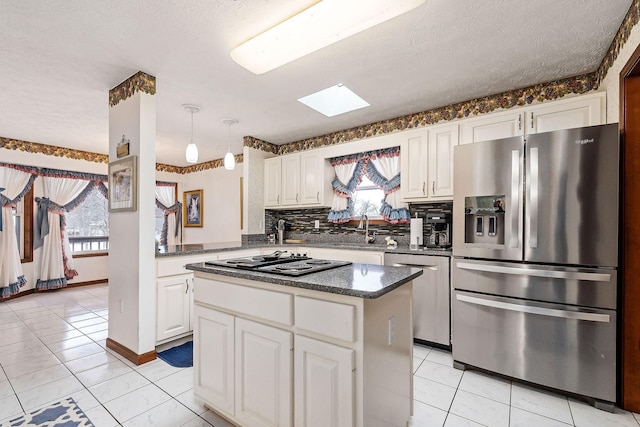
(221, 205)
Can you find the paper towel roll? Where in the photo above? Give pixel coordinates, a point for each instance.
(416, 233)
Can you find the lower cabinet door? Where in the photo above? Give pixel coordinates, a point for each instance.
(263, 391)
(324, 384)
(213, 359)
(174, 301)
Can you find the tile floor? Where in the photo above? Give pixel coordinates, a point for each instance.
(53, 347)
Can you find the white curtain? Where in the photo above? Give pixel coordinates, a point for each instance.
(172, 227)
(14, 184)
(56, 262)
(344, 173)
(389, 168)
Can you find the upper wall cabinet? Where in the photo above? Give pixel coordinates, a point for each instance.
(426, 162)
(298, 180)
(587, 110)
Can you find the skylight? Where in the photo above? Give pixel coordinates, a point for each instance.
(334, 100)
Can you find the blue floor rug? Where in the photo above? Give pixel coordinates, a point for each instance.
(180, 356)
(62, 414)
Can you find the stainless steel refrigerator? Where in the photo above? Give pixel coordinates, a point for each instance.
(535, 259)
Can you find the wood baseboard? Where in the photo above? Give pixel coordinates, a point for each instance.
(87, 283)
(131, 355)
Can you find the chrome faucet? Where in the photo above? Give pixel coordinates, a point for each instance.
(367, 238)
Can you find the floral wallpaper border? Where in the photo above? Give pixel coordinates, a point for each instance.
(139, 82)
(518, 97)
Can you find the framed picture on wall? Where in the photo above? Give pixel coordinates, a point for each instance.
(192, 208)
(123, 184)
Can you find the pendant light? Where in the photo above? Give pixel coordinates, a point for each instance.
(191, 154)
(229, 158)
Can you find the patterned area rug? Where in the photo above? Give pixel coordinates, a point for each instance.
(62, 414)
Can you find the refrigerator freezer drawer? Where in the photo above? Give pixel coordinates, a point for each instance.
(553, 345)
(589, 287)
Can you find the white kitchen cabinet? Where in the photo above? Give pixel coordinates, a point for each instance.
(301, 180)
(586, 110)
(291, 180)
(361, 257)
(273, 182)
(213, 358)
(426, 162)
(174, 296)
(263, 390)
(414, 156)
(174, 305)
(324, 381)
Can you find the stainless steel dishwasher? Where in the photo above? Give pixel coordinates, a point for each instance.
(431, 296)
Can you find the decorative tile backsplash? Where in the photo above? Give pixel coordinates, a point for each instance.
(300, 224)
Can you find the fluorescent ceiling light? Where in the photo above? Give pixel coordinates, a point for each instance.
(324, 23)
(334, 100)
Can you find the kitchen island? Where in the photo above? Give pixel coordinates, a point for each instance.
(332, 348)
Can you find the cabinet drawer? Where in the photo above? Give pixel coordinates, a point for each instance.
(268, 305)
(175, 265)
(331, 319)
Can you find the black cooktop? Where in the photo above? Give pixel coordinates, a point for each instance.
(294, 265)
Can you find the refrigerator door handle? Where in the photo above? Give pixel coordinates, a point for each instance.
(533, 198)
(552, 274)
(515, 198)
(592, 317)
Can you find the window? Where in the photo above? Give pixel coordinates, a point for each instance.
(22, 222)
(88, 224)
(159, 223)
(367, 199)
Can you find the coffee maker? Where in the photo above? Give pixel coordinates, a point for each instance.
(440, 237)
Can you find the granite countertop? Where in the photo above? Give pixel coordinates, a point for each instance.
(203, 248)
(357, 280)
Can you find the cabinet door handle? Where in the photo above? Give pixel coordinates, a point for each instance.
(423, 187)
(187, 282)
(296, 197)
(520, 121)
(433, 187)
(318, 196)
(278, 199)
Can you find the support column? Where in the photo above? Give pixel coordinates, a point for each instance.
(132, 295)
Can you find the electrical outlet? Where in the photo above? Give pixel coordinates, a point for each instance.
(317, 224)
(392, 331)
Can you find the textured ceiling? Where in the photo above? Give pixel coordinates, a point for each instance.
(59, 59)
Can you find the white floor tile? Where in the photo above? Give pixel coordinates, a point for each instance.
(102, 373)
(100, 417)
(540, 402)
(42, 361)
(38, 378)
(440, 356)
(433, 393)
(416, 363)
(85, 399)
(88, 362)
(79, 352)
(137, 402)
(118, 386)
(426, 415)
(78, 317)
(70, 343)
(35, 398)
(456, 421)
(190, 401)
(61, 336)
(486, 386)
(440, 373)
(87, 322)
(480, 409)
(421, 351)
(169, 414)
(5, 389)
(157, 369)
(177, 383)
(33, 345)
(587, 416)
(99, 336)
(216, 419)
(94, 328)
(520, 418)
(10, 407)
(197, 422)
